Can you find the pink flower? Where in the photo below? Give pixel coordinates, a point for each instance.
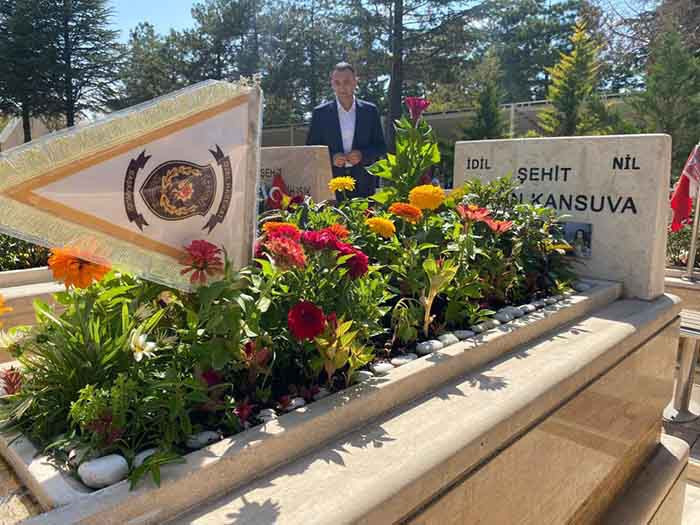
(416, 107)
(358, 264)
(499, 227)
(203, 260)
(244, 410)
(320, 240)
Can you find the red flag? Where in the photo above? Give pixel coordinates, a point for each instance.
(681, 203)
(278, 190)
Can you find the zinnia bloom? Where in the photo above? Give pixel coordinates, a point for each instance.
(320, 239)
(407, 212)
(202, 260)
(358, 264)
(416, 107)
(305, 320)
(426, 197)
(282, 229)
(340, 231)
(499, 227)
(342, 184)
(286, 252)
(380, 226)
(68, 267)
(140, 346)
(473, 213)
(244, 410)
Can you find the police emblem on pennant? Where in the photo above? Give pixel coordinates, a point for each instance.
(178, 189)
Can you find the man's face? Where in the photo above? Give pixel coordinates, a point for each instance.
(343, 84)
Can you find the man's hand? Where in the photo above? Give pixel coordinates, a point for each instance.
(339, 160)
(354, 157)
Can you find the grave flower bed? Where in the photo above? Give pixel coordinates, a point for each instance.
(138, 374)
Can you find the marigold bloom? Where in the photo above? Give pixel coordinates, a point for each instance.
(381, 226)
(473, 213)
(499, 227)
(320, 239)
(3, 309)
(282, 229)
(202, 260)
(342, 184)
(416, 106)
(426, 197)
(69, 267)
(407, 212)
(340, 231)
(286, 252)
(358, 264)
(305, 320)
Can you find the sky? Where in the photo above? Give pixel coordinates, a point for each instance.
(163, 14)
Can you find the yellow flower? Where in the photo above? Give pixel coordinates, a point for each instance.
(3, 309)
(426, 197)
(383, 227)
(342, 184)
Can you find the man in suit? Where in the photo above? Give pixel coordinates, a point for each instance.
(351, 129)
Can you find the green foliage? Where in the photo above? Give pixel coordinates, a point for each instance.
(20, 255)
(488, 121)
(573, 81)
(671, 102)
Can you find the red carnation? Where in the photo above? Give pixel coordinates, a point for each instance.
(286, 252)
(416, 107)
(320, 240)
(203, 260)
(305, 320)
(357, 264)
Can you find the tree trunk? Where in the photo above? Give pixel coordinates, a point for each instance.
(67, 62)
(315, 75)
(396, 84)
(26, 122)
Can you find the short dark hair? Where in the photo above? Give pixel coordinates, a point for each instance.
(343, 66)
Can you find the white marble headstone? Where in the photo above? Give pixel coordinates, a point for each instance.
(305, 170)
(613, 191)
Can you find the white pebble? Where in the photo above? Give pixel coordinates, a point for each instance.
(527, 308)
(503, 317)
(514, 311)
(143, 456)
(463, 334)
(448, 339)
(381, 368)
(403, 359)
(486, 325)
(550, 300)
(362, 375)
(104, 471)
(428, 347)
(267, 414)
(202, 439)
(540, 304)
(580, 286)
(294, 403)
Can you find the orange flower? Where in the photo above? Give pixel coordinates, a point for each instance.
(499, 227)
(3, 309)
(407, 212)
(285, 229)
(340, 231)
(70, 265)
(473, 213)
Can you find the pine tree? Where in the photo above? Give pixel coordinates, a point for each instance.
(488, 122)
(671, 102)
(573, 81)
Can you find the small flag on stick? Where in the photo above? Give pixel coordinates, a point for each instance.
(681, 201)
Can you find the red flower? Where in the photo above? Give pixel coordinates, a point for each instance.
(499, 227)
(320, 240)
(416, 107)
(284, 401)
(473, 213)
(211, 377)
(308, 393)
(286, 252)
(358, 264)
(202, 259)
(254, 355)
(244, 410)
(332, 321)
(11, 380)
(305, 320)
(258, 249)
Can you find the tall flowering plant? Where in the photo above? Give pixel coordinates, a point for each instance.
(416, 151)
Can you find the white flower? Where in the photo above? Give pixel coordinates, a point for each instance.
(140, 347)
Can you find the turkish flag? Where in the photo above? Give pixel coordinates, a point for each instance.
(681, 201)
(278, 190)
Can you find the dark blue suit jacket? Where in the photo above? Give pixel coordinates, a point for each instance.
(369, 139)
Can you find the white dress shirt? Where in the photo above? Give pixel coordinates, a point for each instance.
(347, 126)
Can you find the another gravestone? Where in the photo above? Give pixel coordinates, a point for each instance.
(137, 186)
(613, 191)
(294, 170)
